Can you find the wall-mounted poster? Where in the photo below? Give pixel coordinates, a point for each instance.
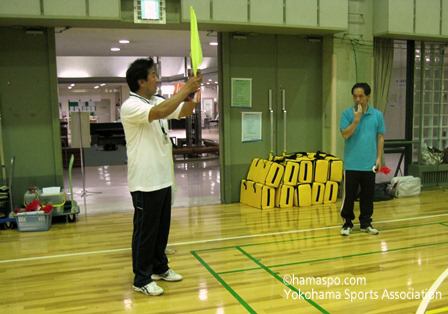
(241, 92)
(207, 107)
(251, 127)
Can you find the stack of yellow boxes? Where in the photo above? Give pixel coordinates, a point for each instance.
(285, 195)
(303, 179)
(327, 175)
(263, 178)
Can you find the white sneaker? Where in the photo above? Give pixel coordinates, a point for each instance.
(169, 251)
(150, 289)
(169, 275)
(370, 230)
(345, 231)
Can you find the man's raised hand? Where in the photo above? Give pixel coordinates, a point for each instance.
(357, 114)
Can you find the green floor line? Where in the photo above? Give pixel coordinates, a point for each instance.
(275, 274)
(223, 283)
(311, 238)
(333, 258)
(368, 253)
(238, 270)
(281, 280)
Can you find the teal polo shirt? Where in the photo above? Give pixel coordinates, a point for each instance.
(361, 148)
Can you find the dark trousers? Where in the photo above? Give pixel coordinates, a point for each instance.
(353, 180)
(152, 216)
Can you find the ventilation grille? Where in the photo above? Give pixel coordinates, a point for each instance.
(434, 177)
(154, 11)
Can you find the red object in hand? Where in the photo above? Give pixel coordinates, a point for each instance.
(384, 170)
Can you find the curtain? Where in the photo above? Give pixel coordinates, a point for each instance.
(383, 52)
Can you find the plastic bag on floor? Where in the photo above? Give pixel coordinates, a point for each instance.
(431, 155)
(405, 186)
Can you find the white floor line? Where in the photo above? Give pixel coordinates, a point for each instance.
(210, 240)
(411, 218)
(63, 255)
(424, 304)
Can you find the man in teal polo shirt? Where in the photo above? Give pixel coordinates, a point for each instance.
(362, 127)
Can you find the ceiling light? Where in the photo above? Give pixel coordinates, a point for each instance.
(216, 82)
(124, 41)
(72, 85)
(115, 49)
(69, 73)
(209, 80)
(208, 83)
(96, 87)
(213, 43)
(102, 84)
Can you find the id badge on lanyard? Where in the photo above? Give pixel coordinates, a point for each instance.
(166, 139)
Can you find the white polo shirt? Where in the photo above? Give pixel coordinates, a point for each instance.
(149, 150)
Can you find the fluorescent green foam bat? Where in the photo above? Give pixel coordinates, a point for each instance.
(195, 43)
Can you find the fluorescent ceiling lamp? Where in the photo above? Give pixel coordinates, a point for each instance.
(150, 9)
(73, 73)
(102, 84)
(124, 41)
(115, 49)
(96, 87)
(213, 43)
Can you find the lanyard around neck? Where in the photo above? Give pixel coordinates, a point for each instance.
(148, 102)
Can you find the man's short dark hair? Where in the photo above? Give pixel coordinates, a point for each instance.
(138, 70)
(364, 86)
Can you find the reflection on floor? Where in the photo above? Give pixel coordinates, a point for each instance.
(198, 183)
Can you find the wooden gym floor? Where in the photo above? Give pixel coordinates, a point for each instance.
(237, 259)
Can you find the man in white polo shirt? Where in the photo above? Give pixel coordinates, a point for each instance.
(150, 170)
